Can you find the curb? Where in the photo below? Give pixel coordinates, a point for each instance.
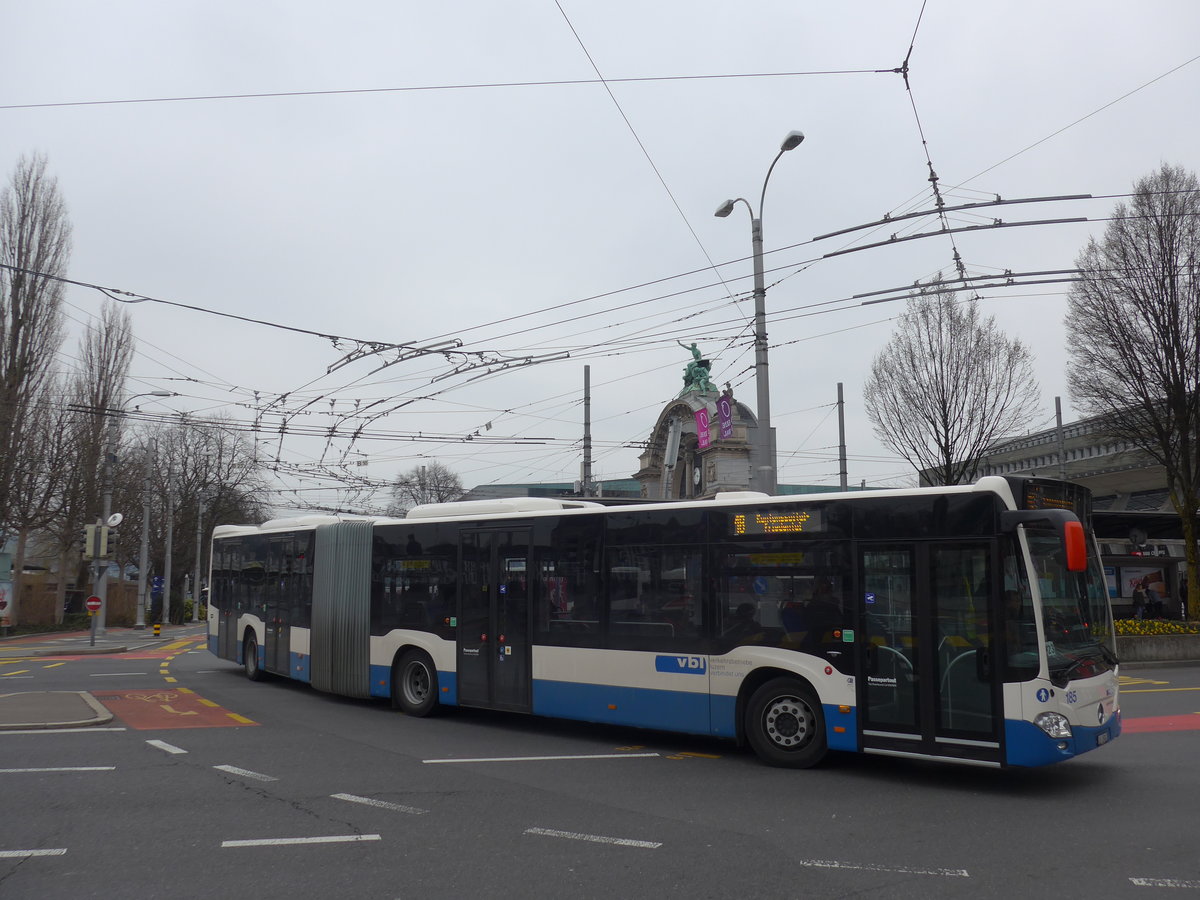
(101, 717)
(82, 651)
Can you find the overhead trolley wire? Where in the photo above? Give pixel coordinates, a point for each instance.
(445, 87)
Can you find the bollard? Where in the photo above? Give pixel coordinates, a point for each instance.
(157, 629)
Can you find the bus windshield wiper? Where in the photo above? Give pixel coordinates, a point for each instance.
(1061, 678)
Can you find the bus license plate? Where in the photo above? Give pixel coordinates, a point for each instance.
(1102, 739)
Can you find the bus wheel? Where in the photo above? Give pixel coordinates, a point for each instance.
(250, 659)
(785, 724)
(415, 684)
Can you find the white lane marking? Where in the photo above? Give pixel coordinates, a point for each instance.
(115, 674)
(60, 769)
(84, 730)
(594, 838)
(246, 773)
(329, 839)
(24, 854)
(541, 758)
(382, 804)
(1165, 882)
(868, 867)
(163, 745)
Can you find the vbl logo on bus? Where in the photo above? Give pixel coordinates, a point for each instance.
(691, 665)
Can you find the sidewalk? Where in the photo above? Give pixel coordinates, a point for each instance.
(79, 643)
(73, 709)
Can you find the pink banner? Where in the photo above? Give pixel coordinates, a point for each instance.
(703, 439)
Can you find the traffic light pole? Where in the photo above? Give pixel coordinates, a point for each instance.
(110, 455)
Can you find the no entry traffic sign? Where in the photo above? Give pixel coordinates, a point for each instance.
(93, 604)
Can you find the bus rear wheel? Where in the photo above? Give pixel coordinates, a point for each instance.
(785, 724)
(250, 659)
(415, 684)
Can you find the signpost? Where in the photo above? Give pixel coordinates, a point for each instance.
(93, 605)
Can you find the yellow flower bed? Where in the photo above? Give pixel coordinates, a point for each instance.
(1155, 626)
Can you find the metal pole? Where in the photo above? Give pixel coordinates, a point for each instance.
(1062, 444)
(166, 601)
(110, 457)
(145, 549)
(587, 431)
(762, 378)
(196, 578)
(842, 438)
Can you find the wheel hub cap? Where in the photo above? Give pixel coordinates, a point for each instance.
(788, 722)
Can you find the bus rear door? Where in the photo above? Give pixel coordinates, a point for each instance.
(493, 621)
(928, 684)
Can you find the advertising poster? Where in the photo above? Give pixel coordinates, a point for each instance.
(725, 416)
(703, 439)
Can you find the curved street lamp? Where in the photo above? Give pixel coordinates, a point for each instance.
(764, 443)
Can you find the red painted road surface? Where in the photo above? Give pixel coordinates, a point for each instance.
(1180, 722)
(168, 708)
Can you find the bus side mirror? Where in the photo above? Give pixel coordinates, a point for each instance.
(1076, 546)
(1065, 524)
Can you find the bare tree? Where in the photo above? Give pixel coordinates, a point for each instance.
(35, 242)
(40, 474)
(947, 385)
(1134, 325)
(430, 483)
(94, 401)
(212, 474)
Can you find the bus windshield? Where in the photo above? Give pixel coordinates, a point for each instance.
(1075, 611)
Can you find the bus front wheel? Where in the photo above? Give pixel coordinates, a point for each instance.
(785, 724)
(415, 684)
(250, 659)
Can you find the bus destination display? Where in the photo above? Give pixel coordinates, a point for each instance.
(789, 521)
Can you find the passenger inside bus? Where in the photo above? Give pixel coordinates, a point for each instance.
(744, 624)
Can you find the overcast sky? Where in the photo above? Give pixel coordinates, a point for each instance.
(459, 170)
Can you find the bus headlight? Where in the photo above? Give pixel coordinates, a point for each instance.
(1054, 724)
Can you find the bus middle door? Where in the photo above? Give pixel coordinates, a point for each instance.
(928, 684)
(494, 658)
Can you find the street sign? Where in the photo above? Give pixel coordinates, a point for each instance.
(93, 604)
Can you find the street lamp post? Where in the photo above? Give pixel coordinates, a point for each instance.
(143, 556)
(110, 458)
(201, 500)
(764, 445)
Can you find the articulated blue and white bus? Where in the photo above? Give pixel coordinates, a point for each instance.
(969, 623)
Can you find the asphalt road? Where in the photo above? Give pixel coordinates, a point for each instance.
(205, 784)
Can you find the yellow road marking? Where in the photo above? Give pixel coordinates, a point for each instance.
(179, 712)
(241, 719)
(702, 755)
(53, 665)
(18, 672)
(185, 690)
(171, 680)
(207, 702)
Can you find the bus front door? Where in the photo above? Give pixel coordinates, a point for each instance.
(493, 620)
(927, 681)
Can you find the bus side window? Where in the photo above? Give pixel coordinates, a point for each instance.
(655, 599)
(567, 611)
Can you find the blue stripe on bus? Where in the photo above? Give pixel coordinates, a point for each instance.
(1028, 745)
(212, 645)
(841, 740)
(641, 707)
(301, 667)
